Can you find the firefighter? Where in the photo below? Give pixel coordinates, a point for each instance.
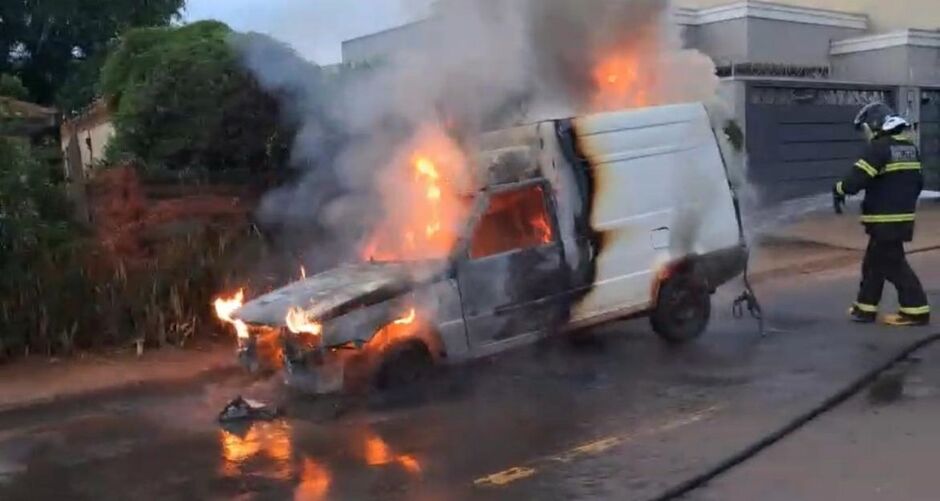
(890, 175)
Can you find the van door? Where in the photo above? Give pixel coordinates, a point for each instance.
(512, 278)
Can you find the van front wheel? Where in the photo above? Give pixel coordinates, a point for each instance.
(683, 308)
(404, 364)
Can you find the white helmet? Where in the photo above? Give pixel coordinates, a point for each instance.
(895, 123)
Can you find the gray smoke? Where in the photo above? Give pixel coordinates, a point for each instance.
(475, 66)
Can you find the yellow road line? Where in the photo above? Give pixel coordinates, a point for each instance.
(506, 476)
(592, 448)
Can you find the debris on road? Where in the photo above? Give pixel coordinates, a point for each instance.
(242, 409)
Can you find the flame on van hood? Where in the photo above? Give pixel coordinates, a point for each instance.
(337, 291)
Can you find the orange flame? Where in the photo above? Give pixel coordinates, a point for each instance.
(298, 323)
(542, 228)
(314, 483)
(225, 307)
(399, 329)
(424, 212)
(620, 82)
(407, 319)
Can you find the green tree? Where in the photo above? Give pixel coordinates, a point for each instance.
(48, 44)
(183, 101)
(11, 86)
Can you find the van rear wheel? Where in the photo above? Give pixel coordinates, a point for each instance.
(683, 308)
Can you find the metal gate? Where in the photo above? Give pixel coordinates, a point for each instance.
(800, 138)
(930, 137)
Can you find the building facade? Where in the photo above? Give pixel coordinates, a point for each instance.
(84, 140)
(795, 73)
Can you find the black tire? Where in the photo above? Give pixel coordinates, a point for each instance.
(403, 365)
(683, 308)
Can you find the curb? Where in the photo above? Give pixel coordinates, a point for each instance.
(849, 257)
(142, 388)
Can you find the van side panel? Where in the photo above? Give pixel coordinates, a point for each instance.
(660, 193)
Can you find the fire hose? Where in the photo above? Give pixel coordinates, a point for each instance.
(789, 428)
(748, 299)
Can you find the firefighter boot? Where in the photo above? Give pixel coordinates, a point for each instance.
(862, 316)
(906, 320)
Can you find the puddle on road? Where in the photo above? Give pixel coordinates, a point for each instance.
(378, 453)
(268, 450)
(268, 444)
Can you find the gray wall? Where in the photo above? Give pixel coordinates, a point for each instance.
(904, 65)
(689, 36)
(924, 65)
(385, 43)
(754, 40)
(725, 41)
(889, 65)
(793, 43)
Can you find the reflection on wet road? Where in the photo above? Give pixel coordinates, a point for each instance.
(377, 453)
(261, 443)
(265, 450)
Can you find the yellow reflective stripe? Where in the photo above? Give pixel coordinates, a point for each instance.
(865, 166)
(923, 310)
(888, 218)
(867, 308)
(901, 137)
(839, 188)
(902, 166)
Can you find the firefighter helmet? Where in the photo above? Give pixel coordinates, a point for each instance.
(894, 124)
(877, 117)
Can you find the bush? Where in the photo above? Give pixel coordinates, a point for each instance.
(183, 102)
(36, 240)
(63, 290)
(11, 86)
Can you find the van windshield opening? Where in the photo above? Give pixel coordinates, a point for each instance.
(515, 220)
(398, 241)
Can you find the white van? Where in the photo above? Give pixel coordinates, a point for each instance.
(579, 221)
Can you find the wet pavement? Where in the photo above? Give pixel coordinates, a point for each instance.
(614, 414)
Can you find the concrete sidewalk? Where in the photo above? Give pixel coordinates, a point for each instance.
(38, 380)
(845, 231)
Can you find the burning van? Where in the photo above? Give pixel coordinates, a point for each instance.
(571, 223)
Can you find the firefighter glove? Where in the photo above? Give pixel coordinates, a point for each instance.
(838, 200)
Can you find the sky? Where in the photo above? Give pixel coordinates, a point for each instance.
(315, 28)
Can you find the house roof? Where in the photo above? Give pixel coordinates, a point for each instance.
(21, 118)
(16, 109)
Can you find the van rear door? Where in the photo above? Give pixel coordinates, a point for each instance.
(513, 274)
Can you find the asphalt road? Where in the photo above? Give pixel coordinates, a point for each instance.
(615, 415)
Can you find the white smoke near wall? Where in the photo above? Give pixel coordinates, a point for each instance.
(478, 65)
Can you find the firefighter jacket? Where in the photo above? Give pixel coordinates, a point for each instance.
(890, 175)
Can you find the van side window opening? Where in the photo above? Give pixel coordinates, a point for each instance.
(515, 220)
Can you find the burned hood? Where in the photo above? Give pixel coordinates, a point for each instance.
(337, 291)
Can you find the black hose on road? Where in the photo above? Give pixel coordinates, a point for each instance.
(829, 404)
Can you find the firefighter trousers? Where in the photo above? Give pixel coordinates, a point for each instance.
(886, 260)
